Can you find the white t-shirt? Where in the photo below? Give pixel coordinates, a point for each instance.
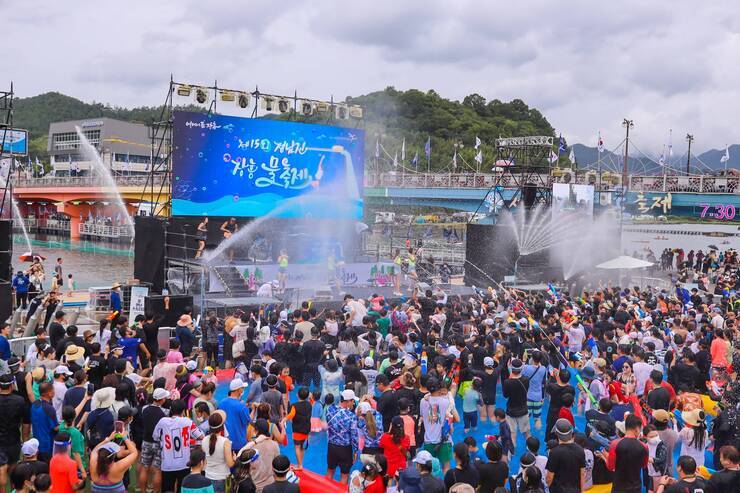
(576, 336)
(176, 435)
(60, 388)
(642, 374)
(265, 290)
(359, 310)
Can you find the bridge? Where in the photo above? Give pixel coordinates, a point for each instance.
(704, 196)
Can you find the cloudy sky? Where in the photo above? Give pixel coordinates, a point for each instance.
(586, 65)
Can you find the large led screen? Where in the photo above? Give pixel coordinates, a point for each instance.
(250, 167)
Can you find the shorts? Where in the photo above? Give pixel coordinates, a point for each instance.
(441, 451)
(282, 270)
(11, 452)
(489, 400)
(299, 438)
(151, 455)
(521, 422)
(340, 456)
(470, 420)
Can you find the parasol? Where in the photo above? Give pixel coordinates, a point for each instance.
(624, 262)
(29, 256)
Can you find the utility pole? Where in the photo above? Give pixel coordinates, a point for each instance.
(625, 178)
(689, 139)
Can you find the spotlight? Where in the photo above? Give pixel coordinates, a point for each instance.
(322, 107)
(227, 96)
(183, 90)
(306, 108)
(267, 103)
(201, 96)
(283, 106)
(243, 100)
(342, 113)
(355, 111)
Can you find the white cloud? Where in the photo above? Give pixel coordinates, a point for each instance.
(585, 65)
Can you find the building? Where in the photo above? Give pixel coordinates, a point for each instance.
(124, 147)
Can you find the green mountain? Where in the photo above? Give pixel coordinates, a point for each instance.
(389, 117)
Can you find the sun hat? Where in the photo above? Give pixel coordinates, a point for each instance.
(103, 398)
(38, 373)
(191, 365)
(661, 415)
(588, 372)
(74, 352)
(694, 417)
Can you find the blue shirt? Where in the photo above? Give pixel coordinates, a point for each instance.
(342, 427)
(20, 283)
(4, 348)
(504, 436)
(115, 301)
(44, 424)
(237, 419)
(362, 426)
(130, 349)
(535, 393)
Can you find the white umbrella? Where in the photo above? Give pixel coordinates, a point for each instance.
(624, 262)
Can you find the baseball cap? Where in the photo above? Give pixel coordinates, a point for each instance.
(160, 394)
(30, 447)
(563, 428)
(369, 361)
(348, 395)
(488, 361)
(423, 457)
(236, 384)
(62, 370)
(588, 372)
(126, 412)
(364, 407)
(661, 415)
(191, 365)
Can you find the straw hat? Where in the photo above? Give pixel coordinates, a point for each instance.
(103, 398)
(693, 418)
(74, 352)
(116, 285)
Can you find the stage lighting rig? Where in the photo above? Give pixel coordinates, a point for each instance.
(243, 100)
(183, 90)
(342, 112)
(267, 102)
(283, 105)
(307, 108)
(201, 96)
(355, 111)
(227, 96)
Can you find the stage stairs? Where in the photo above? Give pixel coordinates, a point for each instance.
(232, 280)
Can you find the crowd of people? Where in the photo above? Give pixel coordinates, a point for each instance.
(620, 386)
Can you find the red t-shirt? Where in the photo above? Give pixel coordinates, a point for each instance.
(649, 385)
(395, 453)
(63, 472)
(567, 414)
(376, 486)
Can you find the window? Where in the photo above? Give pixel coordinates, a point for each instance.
(132, 158)
(70, 140)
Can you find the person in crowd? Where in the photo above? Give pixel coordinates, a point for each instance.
(688, 480)
(196, 481)
(110, 463)
(464, 471)
(566, 462)
(175, 434)
(63, 470)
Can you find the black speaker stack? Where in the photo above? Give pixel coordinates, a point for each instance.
(6, 268)
(149, 251)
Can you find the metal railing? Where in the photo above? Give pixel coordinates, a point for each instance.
(104, 231)
(664, 183)
(85, 181)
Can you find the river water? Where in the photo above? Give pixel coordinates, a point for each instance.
(92, 264)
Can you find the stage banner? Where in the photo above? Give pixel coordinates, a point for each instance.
(138, 296)
(251, 167)
(316, 275)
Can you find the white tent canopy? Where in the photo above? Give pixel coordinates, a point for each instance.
(624, 262)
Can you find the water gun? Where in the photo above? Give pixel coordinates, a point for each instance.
(552, 290)
(424, 362)
(585, 389)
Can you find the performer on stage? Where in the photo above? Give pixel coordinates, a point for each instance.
(229, 228)
(282, 268)
(201, 232)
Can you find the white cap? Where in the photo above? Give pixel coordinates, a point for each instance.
(31, 447)
(160, 394)
(364, 407)
(489, 321)
(369, 361)
(134, 377)
(488, 361)
(191, 365)
(62, 370)
(523, 321)
(348, 395)
(423, 457)
(236, 384)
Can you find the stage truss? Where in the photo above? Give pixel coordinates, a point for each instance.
(207, 98)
